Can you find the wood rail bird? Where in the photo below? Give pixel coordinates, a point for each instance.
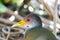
(34, 29)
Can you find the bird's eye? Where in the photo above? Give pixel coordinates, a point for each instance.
(28, 19)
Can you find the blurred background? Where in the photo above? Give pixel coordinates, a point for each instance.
(12, 11)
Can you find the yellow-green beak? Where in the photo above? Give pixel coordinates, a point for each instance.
(20, 23)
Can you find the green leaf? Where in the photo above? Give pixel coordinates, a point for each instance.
(15, 1)
(2, 8)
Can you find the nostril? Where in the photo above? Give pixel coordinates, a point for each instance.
(27, 26)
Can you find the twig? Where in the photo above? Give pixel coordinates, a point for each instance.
(6, 21)
(8, 36)
(47, 8)
(16, 15)
(45, 20)
(55, 17)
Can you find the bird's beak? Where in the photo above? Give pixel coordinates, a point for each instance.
(20, 24)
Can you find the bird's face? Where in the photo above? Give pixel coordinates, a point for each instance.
(33, 20)
(27, 23)
(30, 21)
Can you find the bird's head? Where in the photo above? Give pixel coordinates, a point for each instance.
(30, 21)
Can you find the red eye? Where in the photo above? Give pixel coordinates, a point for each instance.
(28, 19)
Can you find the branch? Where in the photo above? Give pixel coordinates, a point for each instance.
(16, 15)
(47, 8)
(5, 21)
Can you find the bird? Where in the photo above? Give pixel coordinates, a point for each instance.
(34, 30)
(39, 34)
(31, 19)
